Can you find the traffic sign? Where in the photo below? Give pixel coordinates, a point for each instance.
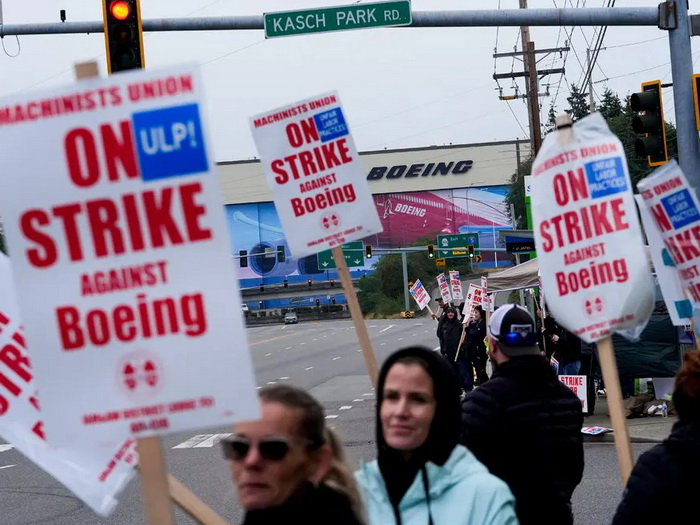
(440, 262)
(478, 258)
(450, 246)
(354, 253)
(337, 18)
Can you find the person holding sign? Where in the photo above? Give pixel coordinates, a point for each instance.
(524, 424)
(288, 467)
(476, 349)
(664, 483)
(422, 475)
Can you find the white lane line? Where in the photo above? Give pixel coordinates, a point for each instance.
(387, 328)
(357, 400)
(303, 343)
(360, 350)
(272, 382)
(336, 358)
(437, 348)
(382, 344)
(194, 440)
(368, 394)
(400, 338)
(315, 339)
(425, 331)
(5, 448)
(332, 416)
(415, 335)
(345, 407)
(268, 355)
(211, 441)
(284, 378)
(309, 368)
(372, 326)
(325, 336)
(258, 387)
(289, 347)
(7, 466)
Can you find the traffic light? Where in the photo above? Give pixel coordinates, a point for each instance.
(431, 251)
(368, 251)
(310, 281)
(470, 250)
(285, 283)
(123, 35)
(650, 123)
(318, 302)
(243, 258)
(332, 300)
(260, 304)
(332, 282)
(281, 257)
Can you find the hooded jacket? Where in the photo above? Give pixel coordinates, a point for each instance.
(443, 483)
(664, 483)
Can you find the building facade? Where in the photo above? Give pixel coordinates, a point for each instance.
(419, 193)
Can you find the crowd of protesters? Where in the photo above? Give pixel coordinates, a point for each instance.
(455, 446)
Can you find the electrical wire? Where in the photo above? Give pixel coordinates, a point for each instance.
(19, 48)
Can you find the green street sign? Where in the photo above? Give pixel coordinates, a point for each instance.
(354, 253)
(450, 246)
(339, 18)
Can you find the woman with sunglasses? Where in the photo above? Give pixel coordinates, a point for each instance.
(422, 476)
(288, 467)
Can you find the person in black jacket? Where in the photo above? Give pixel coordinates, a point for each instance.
(664, 484)
(288, 467)
(476, 349)
(524, 424)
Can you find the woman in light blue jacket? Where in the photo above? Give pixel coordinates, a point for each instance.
(421, 475)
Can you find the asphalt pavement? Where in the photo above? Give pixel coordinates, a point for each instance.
(325, 358)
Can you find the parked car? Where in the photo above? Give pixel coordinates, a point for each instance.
(291, 318)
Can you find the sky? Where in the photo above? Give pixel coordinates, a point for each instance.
(401, 88)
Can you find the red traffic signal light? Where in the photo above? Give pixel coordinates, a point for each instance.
(123, 35)
(332, 282)
(120, 9)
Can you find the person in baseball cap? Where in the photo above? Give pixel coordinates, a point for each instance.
(512, 330)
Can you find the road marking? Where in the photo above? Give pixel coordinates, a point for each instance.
(382, 344)
(368, 394)
(272, 382)
(288, 348)
(5, 448)
(332, 416)
(415, 335)
(360, 350)
(400, 338)
(437, 348)
(258, 387)
(7, 466)
(357, 400)
(372, 326)
(315, 339)
(385, 329)
(303, 343)
(284, 378)
(271, 339)
(336, 358)
(202, 441)
(268, 355)
(345, 407)
(308, 368)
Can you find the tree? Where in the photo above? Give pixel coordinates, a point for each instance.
(610, 105)
(578, 104)
(515, 200)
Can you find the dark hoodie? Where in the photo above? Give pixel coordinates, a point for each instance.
(399, 473)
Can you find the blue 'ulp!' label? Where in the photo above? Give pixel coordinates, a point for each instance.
(331, 124)
(680, 209)
(170, 142)
(605, 177)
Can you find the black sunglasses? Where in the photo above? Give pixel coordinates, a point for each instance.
(270, 449)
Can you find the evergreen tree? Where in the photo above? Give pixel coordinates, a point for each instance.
(578, 103)
(610, 105)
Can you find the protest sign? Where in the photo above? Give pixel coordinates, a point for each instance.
(455, 286)
(315, 174)
(589, 241)
(475, 296)
(420, 294)
(673, 206)
(444, 287)
(94, 474)
(680, 309)
(579, 386)
(590, 248)
(110, 202)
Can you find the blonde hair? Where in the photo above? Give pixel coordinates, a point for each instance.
(340, 477)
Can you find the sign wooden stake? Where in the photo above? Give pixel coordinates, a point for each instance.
(156, 494)
(192, 505)
(356, 312)
(608, 364)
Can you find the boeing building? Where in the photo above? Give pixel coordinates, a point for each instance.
(419, 193)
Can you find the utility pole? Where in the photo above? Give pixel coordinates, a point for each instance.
(532, 75)
(530, 69)
(591, 103)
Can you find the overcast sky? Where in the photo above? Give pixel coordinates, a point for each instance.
(401, 88)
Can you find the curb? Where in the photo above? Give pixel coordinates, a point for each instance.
(609, 437)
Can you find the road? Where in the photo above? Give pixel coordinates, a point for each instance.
(323, 357)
